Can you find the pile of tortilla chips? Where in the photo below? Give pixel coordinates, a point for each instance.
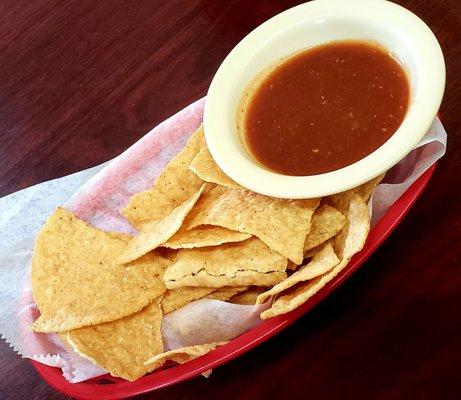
(201, 235)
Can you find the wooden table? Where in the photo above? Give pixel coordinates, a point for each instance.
(80, 81)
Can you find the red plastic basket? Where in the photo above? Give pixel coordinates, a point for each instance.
(107, 387)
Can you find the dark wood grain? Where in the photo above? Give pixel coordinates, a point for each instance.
(80, 81)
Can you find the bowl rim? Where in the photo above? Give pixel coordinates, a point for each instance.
(228, 152)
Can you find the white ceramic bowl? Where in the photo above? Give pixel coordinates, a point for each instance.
(400, 31)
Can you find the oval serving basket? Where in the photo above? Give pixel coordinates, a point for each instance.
(107, 387)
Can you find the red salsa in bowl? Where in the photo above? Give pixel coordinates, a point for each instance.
(325, 108)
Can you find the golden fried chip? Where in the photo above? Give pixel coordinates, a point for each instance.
(176, 180)
(183, 354)
(366, 189)
(176, 298)
(206, 169)
(77, 281)
(341, 200)
(280, 223)
(174, 186)
(312, 252)
(225, 293)
(122, 346)
(352, 237)
(204, 236)
(349, 242)
(247, 297)
(120, 236)
(153, 234)
(326, 223)
(148, 206)
(207, 373)
(300, 293)
(322, 262)
(249, 262)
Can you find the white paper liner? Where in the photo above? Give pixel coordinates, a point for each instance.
(207, 321)
(102, 191)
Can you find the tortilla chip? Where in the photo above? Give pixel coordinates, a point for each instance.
(326, 223)
(233, 264)
(174, 299)
(174, 186)
(341, 200)
(120, 236)
(280, 223)
(148, 206)
(247, 297)
(366, 189)
(353, 236)
(176, 181)
(349, 242)
(204, 236)
(300, 293)
(77, 281)
(312, 252)
(322, 262)
(225, 293)
(154, 234)
(122, 346)
(207, 373)
(183, 354)
(207, 170)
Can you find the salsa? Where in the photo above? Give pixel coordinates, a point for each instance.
(325, 108)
